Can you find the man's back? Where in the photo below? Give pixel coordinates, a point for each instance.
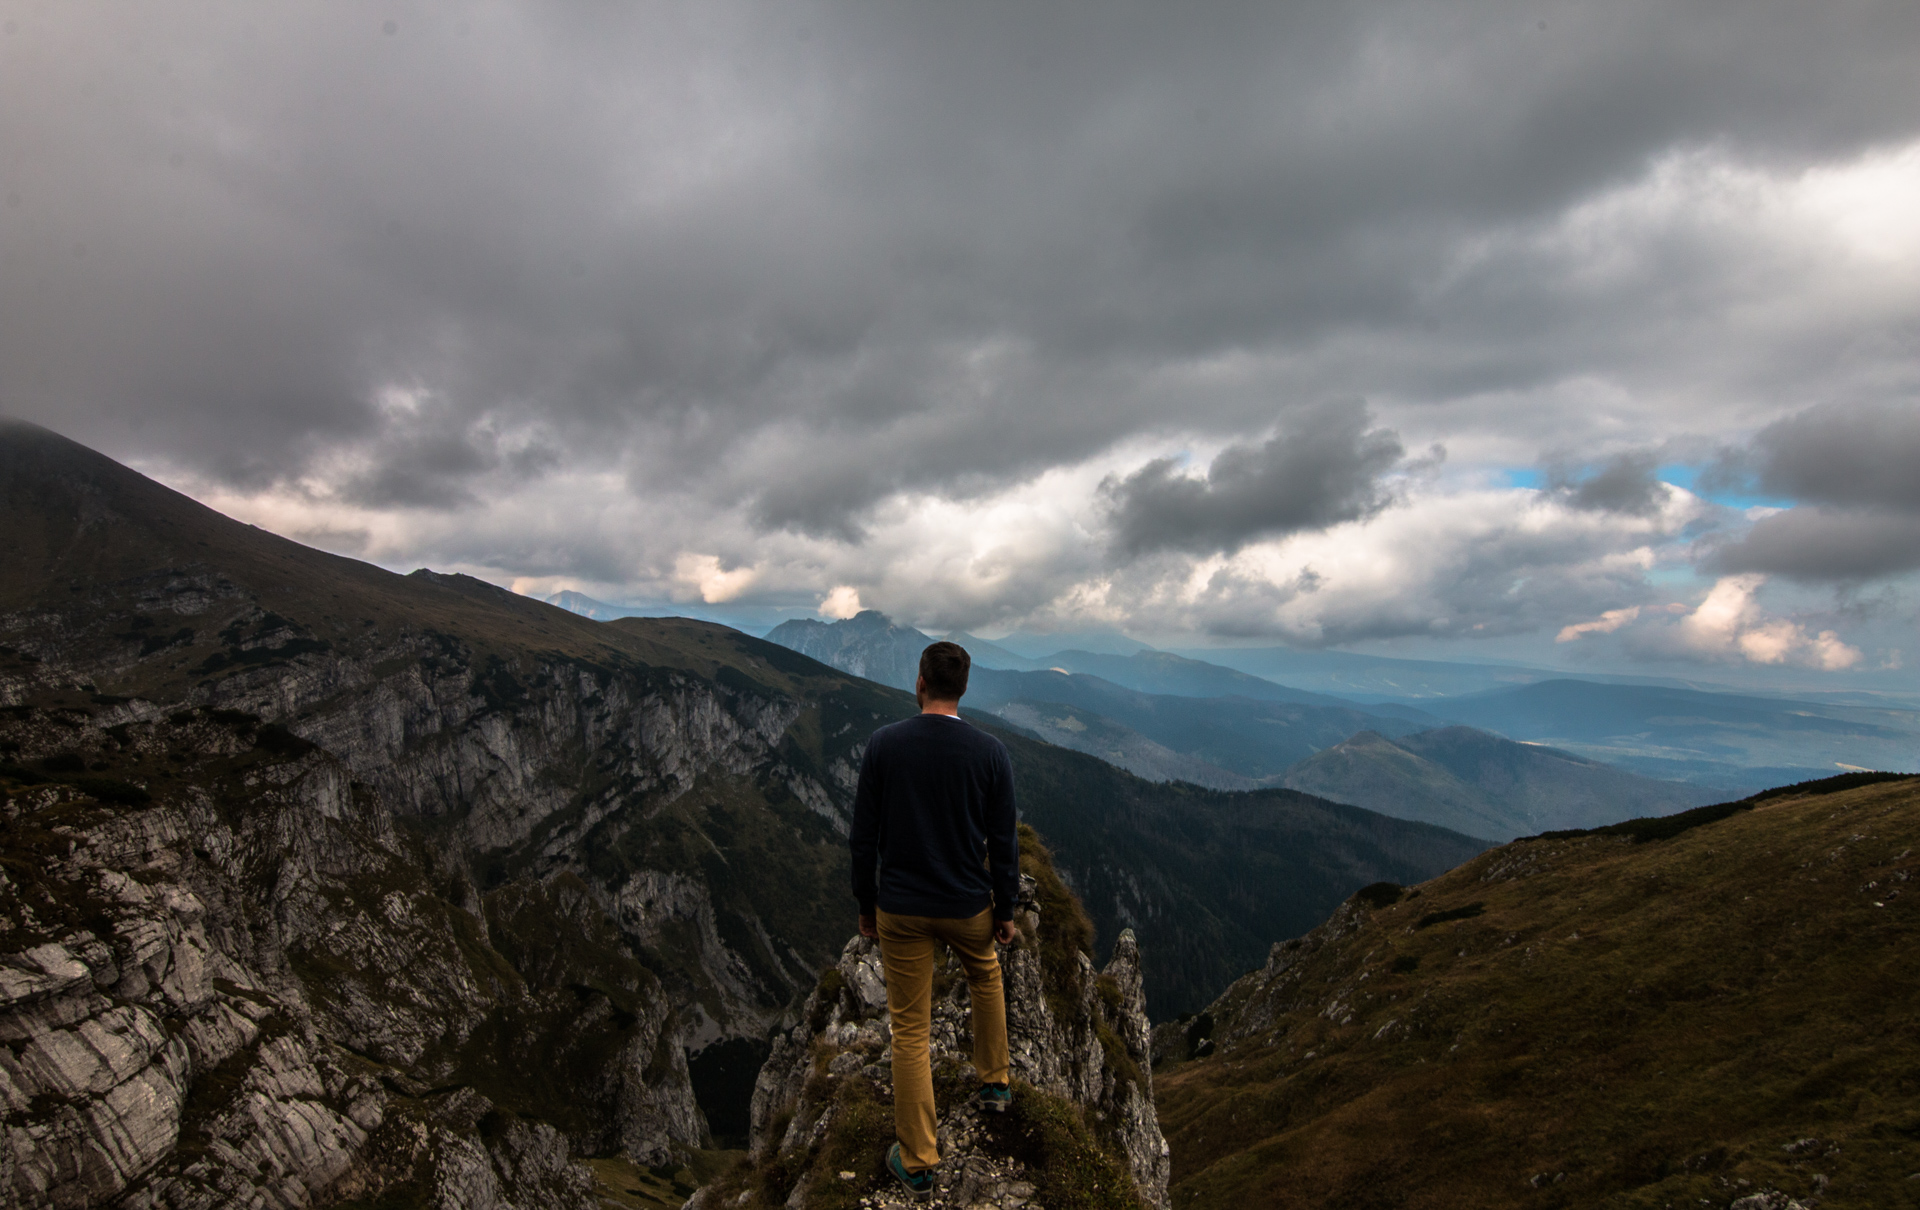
(933, 821)
(936, 863)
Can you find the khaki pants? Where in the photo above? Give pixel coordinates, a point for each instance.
(908, 947)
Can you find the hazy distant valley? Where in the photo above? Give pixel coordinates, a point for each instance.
(1549, 753)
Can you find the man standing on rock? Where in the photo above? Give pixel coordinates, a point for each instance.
(936, 860)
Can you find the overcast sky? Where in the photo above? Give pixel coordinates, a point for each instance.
(1580, 331)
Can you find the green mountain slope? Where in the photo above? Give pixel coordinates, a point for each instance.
(1371, 770)
(1471, 781)
(1097, 735)
(1651, 1015)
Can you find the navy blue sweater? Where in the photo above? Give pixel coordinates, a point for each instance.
(933, 821)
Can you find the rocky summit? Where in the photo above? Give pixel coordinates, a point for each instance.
(1082, 1130)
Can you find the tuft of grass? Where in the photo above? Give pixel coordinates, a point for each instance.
(1065, 931)
(1069, 1169)
(862, 1130)
(625, 1185)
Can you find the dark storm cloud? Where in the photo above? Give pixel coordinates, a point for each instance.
(1624, 483)
(1850, 455)
(787, 262)
(1816, 543)
(1852, 468)
(1323, 468)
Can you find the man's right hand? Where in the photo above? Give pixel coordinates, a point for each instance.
(1003, 931)
(869, 928)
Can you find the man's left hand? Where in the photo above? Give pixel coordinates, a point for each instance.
(869, 928)
(1003, 931)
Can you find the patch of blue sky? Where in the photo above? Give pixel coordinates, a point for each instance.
(1681, 474)
(1675, 576)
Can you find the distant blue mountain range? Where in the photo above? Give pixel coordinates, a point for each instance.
(1491, 750)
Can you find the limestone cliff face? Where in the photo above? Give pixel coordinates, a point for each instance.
(543, 764)
(536, 765)
(239, 986)
(1078, 1041)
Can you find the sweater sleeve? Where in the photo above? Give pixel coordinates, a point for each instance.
(1003, 840)
(865, 834)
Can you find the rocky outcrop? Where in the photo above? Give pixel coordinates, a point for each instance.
(227, 978)
(1078, 1041)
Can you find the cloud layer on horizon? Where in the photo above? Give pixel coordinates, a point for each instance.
(1002, 316)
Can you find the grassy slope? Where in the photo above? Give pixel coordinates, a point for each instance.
(1657, 1021)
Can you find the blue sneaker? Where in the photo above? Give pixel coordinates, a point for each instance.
(919, 1185)
(994, 1098)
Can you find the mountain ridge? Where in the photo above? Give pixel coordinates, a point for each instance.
(1466, 778)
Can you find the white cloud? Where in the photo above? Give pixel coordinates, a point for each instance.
(843, 602)
(1868, 204)
(715, 583)
(1451, 555)
(1729, 624)
(1606, 623)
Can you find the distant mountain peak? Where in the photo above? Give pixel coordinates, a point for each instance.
(868, 644)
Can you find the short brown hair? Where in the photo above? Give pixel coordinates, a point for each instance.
(944, 666)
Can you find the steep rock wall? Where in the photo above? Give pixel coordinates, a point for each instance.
(239, 987)
(527, 766)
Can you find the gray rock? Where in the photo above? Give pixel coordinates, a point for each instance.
(224, 1029)
(1060, 1052)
